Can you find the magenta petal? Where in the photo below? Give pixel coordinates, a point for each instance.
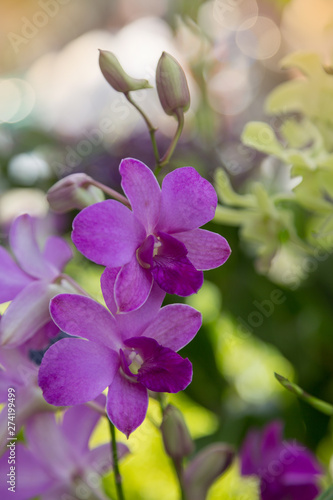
(74, 371)
(43, 434)
(172, 269)
(23, 242)
(127, 404)
(250, 454)
(57, 252)
(206, 250)
(107, 233)
(143, 191)
(188, 201)
(32, 479)
(28, 312)
(83, 317)
(132, 287)
(174, 326)
(108, 280)
(163, 370)
(12, 278)
(134, 323)
(79, 422)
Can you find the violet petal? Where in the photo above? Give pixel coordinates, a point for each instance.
(12, 278)
(84, 317)
(174, 326)
(143, 191)
(107, 233)
(206, 250)
(188, 201)
(132, 287)
(127, 404)
(163, 370)
(23, 242)
(74, 371)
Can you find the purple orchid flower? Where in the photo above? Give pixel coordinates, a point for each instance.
(159, 239)
(31, 283)
(57, 462)
(286, 469)
(20, 374)
(129, 353)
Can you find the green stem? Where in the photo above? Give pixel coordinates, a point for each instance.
(150, 126)
(167, 155)
(111, 192)
(179, 471)
(117, 476)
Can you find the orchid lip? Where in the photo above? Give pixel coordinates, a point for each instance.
(145, 265)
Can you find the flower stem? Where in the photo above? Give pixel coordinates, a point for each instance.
(111, 192)
(120, 494)
(167, 155)
(150, 126)
(179, 471)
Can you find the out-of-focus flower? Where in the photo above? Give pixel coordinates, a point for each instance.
(31, 282)
(19, 373)
(129, 353)
(57, 460)
(74, 191)
(176, 437)
(205, 468)
(286, 469)
(172, 86)
(159, 240)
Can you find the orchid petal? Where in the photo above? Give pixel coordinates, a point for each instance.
(108, 280)
(188, 201)
(172, 270)
(143, 191)
(127, 404)
(74, 371)
(32, 479)
(134, 323)
(28, 312)
(23, 242)
(12, 278)
(132, 287)
(84, 317)
(206, 250)
(57, 252)
(79, 422)
(163, 370)
(43, 434)
(174, 326)
(107, 233)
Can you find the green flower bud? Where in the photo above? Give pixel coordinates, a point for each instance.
(172, 85)
(176, 437)
(73, 192)
(205, 468)
(116, 76)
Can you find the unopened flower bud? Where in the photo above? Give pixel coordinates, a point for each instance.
(176, 437)
(76, 191)
(172, 85)
(205, 468)
(116, 76)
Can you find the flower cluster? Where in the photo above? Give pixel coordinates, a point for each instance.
(154, 248)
